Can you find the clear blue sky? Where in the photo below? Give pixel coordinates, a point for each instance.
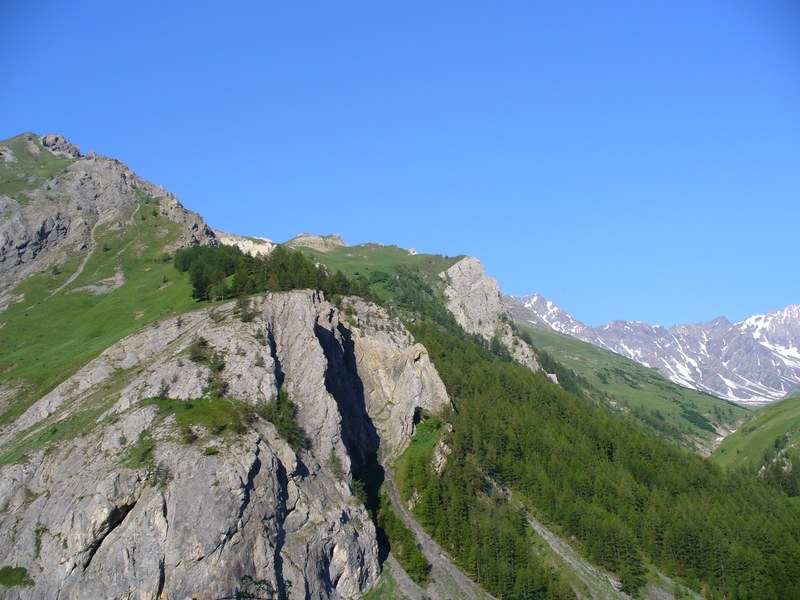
(627, 159)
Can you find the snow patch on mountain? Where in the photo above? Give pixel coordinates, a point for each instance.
(753, 362)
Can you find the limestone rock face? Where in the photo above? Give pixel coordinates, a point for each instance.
(397, 375)
(249, 245)
(64, 212)
(137, 504)
(474, 300)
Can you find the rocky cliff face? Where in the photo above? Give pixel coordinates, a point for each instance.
(395, 372)
(474, 300)
(61, 213)
(108, 492)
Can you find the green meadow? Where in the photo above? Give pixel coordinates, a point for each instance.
(774, 427)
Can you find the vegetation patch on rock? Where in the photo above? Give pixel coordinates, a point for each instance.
(14, 576)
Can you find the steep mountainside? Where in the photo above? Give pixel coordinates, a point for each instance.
(125, 420)
(112, 471)
(752, 362)
(691, 418)
(85, 261)
(53, 201)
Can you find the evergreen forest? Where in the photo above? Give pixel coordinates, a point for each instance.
(224, 272)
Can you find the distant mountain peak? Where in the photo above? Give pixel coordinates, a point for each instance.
(755, 361)
(542, 312)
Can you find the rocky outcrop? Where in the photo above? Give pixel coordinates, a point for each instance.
(112, 509)
(7, 155)
(249, 245)
(320, 243)
(474, 300)
(62, 214)
(396, 374)
(58, 144)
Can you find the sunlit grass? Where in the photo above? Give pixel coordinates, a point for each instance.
(47, 338)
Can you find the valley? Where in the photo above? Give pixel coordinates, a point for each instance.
(688, 417)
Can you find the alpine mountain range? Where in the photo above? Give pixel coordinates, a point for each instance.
(753, 362)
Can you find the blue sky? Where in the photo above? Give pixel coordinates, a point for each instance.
(628, 160)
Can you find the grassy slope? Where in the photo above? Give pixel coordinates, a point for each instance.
(370, 261)
(758, 434)
(30, 169)
(674, 410)
(45, 338)
(427, 434)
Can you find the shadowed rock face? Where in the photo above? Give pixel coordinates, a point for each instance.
(100, 515)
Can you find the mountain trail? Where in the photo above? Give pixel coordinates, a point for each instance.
(106, 285)
(79, 270)
(447, 581)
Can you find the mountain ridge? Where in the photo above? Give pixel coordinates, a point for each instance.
(46, 220)
(753, 362)
(131, 403)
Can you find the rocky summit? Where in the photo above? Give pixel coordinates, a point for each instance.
(50, 218)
